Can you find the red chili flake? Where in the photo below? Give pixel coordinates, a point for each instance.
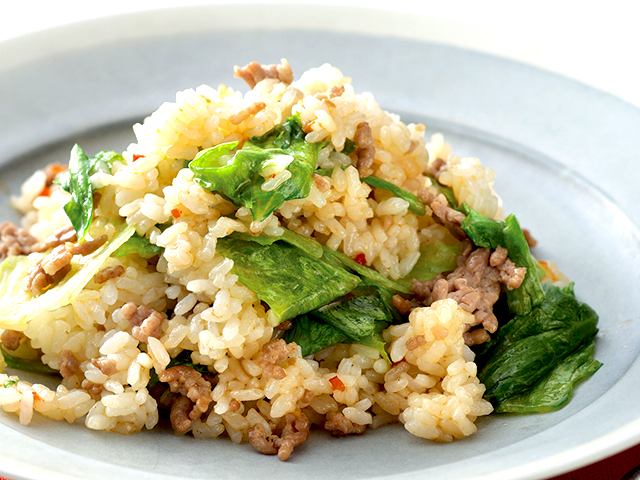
(175, 212)
(46, 191)
(361, 259)
(273, 175)
(136, 156)
(337, 384)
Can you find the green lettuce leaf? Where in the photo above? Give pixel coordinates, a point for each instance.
(26, 364)
(446, 191)
(77, 181)
(528, 347)
(287, 278)
(236, 174)
(434, 259)
(415, 204)
(488, 233)
(313, 335)
(139, 245)
(17, 307)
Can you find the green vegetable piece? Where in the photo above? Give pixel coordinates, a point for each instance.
(364, 271)
(313, 335)
(446, 191)
(26, 364)
(489, 233)
(17, 307)
(415, 204)
(434, 259)
(9, 383)
(308, 245)
(140, 245)
(554, 391)
(357, 314)
(76, 180)
(529, 346)
(288, 279)
(238, 176)
(349, 146)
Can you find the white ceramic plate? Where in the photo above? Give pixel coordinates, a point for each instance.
(564, 154)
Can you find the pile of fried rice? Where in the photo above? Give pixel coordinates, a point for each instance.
(113, 342)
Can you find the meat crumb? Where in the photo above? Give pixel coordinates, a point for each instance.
(240, 116)
(365, 149)
(274, 352)
(11, 339)
(15, 241)
(108, 273)
(69, 364)
(339, 425)
(294, 433)
(195, 395)
(253, 72)
(146, 321)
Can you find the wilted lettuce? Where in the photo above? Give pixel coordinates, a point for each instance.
(17, 307)
(238, 174)
(532, 361)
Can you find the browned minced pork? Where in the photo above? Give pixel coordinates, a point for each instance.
(365, 150)
(294, 433)
(108, 273)
(11, 339)
(146, 321)
(401, 304)
(253, 72)
(15, 241)
(195, 392)
(474, 284)
(274, 352)
(57, 263)
(436, 167)
(93, 389)
(59, 236)
(531, 241)
(339, 425)
(108, 366)
(449, 217)
(240, 116)
(69, 364)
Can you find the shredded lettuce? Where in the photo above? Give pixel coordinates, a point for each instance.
(434, 259)
(238, 174)
(446, 191)
(489, 233)
(17, 307)
(25, 364)
(77, 181)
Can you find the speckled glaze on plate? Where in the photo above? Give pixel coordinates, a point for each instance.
(565, 157)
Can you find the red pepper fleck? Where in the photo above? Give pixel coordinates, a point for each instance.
(136, 156)
(361, 259)
(273, 175)
(46, 191)
(175, 212)
(337, 384)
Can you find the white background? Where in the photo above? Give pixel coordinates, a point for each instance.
(597, 43)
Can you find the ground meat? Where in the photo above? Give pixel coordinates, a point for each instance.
(108, 366)
(59, 237)
(274, 352)
(339, 425)
(11, 339)
(294, 433)
(365, 150)
(415, 342)
(475, 285)
(69, 364)
(146, 321)
(195, 394)
(333, 92)
(108, 273)
(94, 389)
(253, 72)
(240, 116)
(401, 304)
(531, 241)
(15, 241)
(57, 263)
(436, 167)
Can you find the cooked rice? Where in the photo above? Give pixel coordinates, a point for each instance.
(433, 389)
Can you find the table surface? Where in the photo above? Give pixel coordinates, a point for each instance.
(597, 44)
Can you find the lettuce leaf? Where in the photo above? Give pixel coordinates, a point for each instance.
(529, 347)
(77, 181)
(140, 245)
(25, 364)
(434, 259)
(237, 174)
(415, 204)
(488, 233)
(17, 307)
(286, 277)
